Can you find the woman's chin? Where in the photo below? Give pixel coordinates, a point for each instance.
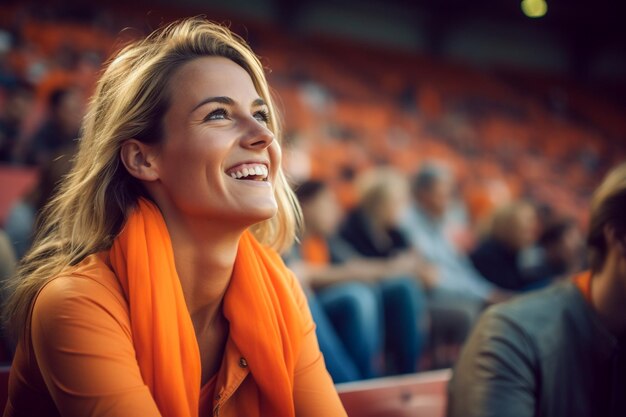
(257, 214)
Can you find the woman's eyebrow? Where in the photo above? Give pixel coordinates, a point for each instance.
(258, 102)
(220, 99)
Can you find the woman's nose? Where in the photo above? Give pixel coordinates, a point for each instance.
(257, 136)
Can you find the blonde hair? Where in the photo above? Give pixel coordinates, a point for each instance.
(608, 206)
(95, 198)
(503, 219)
(378, 185)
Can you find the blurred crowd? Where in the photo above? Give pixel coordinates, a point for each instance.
(429, 190)
(391, 289)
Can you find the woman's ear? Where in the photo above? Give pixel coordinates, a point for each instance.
(140, 160)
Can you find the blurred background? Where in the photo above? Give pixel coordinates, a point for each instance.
(518, 106)
(515, 101)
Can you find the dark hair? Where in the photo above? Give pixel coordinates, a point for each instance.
(555, 231)
(309, 190)
(608, 208)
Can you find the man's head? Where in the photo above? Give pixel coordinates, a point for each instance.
(607, 226)
(432, 188)
(320, 209)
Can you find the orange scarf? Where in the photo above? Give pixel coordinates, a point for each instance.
(258, 304)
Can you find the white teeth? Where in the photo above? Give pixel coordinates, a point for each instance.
(260, 170)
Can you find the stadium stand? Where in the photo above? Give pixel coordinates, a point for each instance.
(352, 112)
(504, 134)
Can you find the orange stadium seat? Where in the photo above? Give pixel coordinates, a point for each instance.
(519, 140)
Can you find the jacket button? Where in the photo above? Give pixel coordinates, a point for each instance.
(243, 363)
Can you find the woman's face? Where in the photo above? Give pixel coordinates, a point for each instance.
(218, 157)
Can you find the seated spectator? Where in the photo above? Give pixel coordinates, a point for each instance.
(66, 110)
(7, 268)
(460, 292)
(7, 257)
(372, 227)
(18, 103)
(499, 256)
(20, 223)
(558, 352)
(361, 306)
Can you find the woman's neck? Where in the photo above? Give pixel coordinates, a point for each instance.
(204, 254)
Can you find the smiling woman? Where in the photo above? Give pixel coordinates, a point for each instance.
(204, 141)
(154, 287)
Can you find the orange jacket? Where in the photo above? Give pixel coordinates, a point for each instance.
(78, 358)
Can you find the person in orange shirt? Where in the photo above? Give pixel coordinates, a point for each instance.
(154, 286)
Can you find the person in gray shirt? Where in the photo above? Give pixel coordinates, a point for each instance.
(560, 351)
(459, 294)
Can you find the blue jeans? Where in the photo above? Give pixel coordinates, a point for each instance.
(343, 314)
(356, 321)
(405, 316)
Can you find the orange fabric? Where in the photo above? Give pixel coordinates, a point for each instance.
(583, 282)
(259, 286)
(83, 357)
(163, 335)
(143, 260)
(315, 250)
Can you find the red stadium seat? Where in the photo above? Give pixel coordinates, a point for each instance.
(15, 183)
(417, 395)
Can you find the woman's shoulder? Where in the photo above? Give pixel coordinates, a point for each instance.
(86, 288)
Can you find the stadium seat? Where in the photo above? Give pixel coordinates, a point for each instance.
(15, 182)
(417, 395)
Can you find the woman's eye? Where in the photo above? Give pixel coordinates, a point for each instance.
(219, 114)
(262, 116)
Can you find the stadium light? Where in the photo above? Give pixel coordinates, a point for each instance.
(534, 8)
